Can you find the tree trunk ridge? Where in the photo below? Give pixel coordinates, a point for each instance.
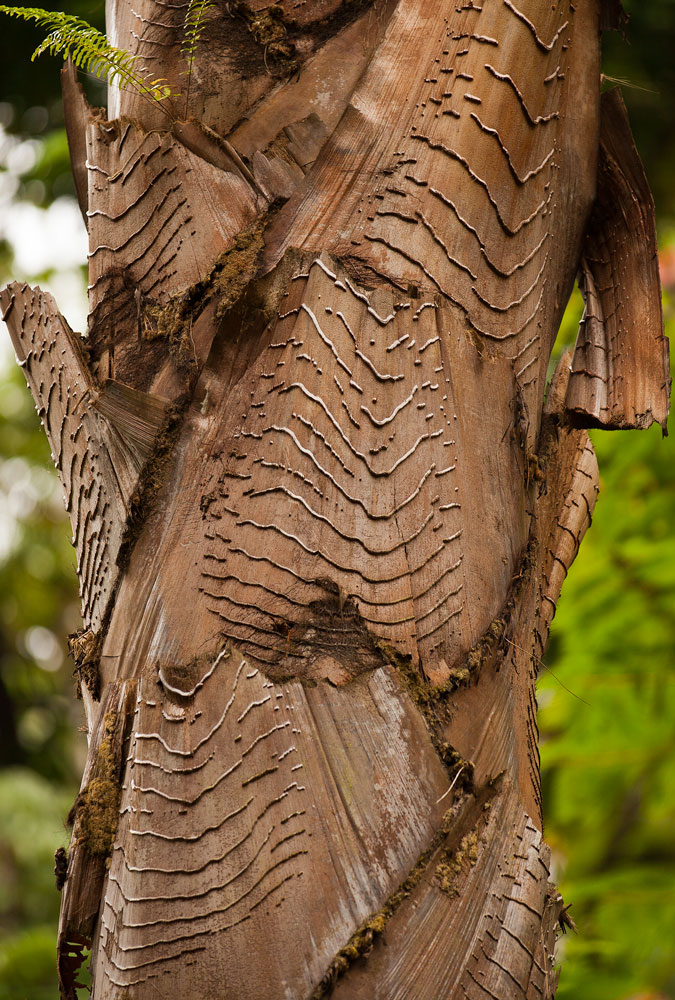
(321, 509)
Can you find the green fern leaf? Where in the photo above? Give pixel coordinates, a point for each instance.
(193, 28)
(90, 50)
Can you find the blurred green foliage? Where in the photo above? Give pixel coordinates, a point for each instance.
(30, 103)
(32, 810)
(41, 750)
(608, 754)
(39, 604)
(608, 748)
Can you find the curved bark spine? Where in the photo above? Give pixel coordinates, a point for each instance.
(98, 457)
(620, 370)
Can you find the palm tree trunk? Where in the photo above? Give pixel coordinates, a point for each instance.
(321, 509)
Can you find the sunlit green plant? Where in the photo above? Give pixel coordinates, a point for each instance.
(195, 19)
(89, 49)
(73, 38)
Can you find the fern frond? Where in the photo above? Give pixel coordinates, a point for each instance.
(193, 28)
(90, 50)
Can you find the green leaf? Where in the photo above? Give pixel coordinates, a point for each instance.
(72, 37)
(195, 20)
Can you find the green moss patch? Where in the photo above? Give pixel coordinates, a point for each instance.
(85, 649)
(270, 32)
(468, 813)
(97, 808)
(362, 941)
(454, 864)
(226, 282)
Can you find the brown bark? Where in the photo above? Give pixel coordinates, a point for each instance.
(322, 513)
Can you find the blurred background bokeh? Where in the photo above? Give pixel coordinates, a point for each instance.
(607, 693)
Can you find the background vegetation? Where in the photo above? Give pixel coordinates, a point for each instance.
(607, 697)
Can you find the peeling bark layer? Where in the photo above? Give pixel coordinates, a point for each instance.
(323, 512)
(100, 436)
(620, 375)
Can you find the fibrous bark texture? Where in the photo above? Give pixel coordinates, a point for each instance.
(322, 511)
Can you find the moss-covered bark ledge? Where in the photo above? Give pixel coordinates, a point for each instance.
(457, 829)
(95, 814)
(229, 277)
(95, 817)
